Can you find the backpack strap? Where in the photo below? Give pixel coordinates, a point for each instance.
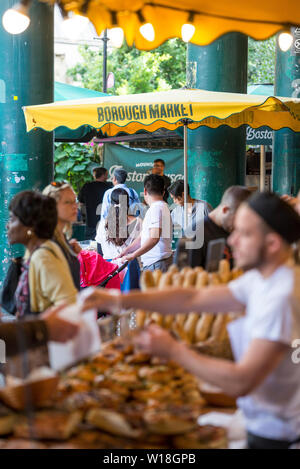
(48, 249)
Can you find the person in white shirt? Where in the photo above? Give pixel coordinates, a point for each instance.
(197, 209)
(154, 244)
(264, 377)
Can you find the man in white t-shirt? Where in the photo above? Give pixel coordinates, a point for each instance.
(265, 376)
(154, 245)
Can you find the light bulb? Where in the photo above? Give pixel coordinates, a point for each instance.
(74, 25)
(187, 32)
(147, 31)
(116, 37)
(16, 20)
(285, 41)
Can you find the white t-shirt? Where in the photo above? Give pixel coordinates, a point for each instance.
(272, 410)
(157, 216)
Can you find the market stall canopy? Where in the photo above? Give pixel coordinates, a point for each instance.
(63, 92)
(262, 135)
(169, 110)
(255, 18)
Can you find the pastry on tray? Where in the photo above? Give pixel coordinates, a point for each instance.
(7, 420)
(202, 437)
(16, 443)
(171, 419)
(48, 425)
(112, 422)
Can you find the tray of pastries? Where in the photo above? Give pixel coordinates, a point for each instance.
(118, 398)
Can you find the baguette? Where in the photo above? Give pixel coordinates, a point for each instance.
(147, 280)
(214, 279)
(156, 276)
(180, 319)
(190, 279)
(168, 321)
(190, 326)
(224, 271)
(236, 273)
(178, 280)
(165, 280)
(173, 269)
(198, 270)
(157, 318)
(202, 279)
(180, 332)
(140, 317)
(185, 270)
(203, 327)
(219, 327)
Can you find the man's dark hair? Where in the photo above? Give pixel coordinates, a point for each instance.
(177, 188)
(154, 184)
(234, 196)
(159, 160)
(121, 175)
(99, 172)
(36, 211)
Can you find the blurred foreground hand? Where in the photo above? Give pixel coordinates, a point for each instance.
(59, 329)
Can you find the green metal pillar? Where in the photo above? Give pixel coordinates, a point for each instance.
(26, 77)
(286, 149)
(216, 157)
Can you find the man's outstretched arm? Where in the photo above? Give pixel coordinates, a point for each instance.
(212, 299)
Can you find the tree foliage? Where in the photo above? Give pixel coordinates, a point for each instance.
(161, 69)
(135, 71)
(261, 61)
(75, 162)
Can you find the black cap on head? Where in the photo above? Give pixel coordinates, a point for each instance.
(279, 215)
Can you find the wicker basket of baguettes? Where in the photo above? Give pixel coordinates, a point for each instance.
(206, 332)
(121, 398)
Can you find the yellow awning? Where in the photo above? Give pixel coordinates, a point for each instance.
(259, 19)
(152, 111)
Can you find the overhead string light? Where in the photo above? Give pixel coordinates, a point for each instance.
(285, 40)
(188, 29)
(116, 33)
(146, 29)
(16, 19)
(72, 24)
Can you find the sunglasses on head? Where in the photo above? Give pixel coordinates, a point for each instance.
(58, 183)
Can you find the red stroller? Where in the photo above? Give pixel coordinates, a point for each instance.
(97, 272)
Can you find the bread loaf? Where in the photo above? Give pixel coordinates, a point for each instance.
(190, 326)
(203, 327)
(147, 280)
(202, 279)
(224, 271)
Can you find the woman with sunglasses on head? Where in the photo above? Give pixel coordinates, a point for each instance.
(45, 279)
(66, 204)
(118, 231)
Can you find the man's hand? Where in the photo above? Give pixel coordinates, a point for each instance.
(100, 299)
(156, 341)
(59, 330)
